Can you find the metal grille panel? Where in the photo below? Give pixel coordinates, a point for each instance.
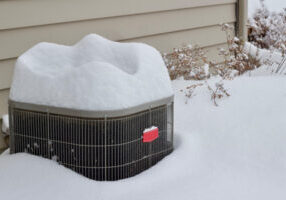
(98, 148)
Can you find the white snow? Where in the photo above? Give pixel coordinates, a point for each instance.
(5, 124)
(231, 152)
(272, 5)
(271, 61)
(94, 74)
(150, 129)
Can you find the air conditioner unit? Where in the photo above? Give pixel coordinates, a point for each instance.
(102, 139)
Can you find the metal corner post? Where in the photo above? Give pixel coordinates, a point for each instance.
(242, 17)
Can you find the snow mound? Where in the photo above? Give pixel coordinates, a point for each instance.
(94, 74)
(5, 124)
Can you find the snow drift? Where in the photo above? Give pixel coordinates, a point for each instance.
(235, 151)
(94, 74)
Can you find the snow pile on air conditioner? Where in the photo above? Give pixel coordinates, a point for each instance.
(94, 74)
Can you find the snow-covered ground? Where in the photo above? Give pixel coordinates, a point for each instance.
(272, 5)
(234, 151)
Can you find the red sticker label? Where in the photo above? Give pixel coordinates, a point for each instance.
(150, 134)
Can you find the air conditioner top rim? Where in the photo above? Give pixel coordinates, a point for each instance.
(89, 113)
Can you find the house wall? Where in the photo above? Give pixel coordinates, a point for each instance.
(160, 23)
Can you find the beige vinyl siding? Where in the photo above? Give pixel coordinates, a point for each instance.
(162, 24)
(16, 41)
(3, 101)
(203, 37)
(6, 73)
(3, 108)
(39, 12)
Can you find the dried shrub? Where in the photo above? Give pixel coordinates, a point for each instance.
(235, 57)
(218, 92)
(268, 29)
(191, 62)
(188, 62)
(189, 91)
